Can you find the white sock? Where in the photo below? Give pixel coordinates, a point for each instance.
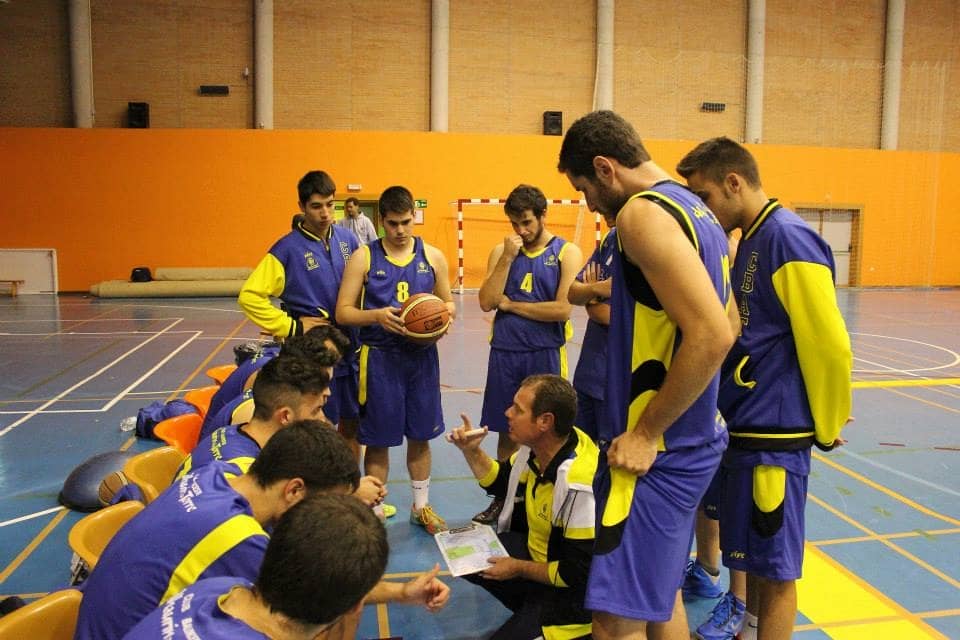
(749, 631)
(421, 493)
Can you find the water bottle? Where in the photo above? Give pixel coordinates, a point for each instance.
(128, 424)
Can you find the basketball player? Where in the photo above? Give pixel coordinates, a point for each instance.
(670, 328)
(399, 380)
(792, 334)
(592, 288)
(527, 280)
(304, 269)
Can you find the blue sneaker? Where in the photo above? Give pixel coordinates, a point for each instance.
(697, 583)
(726, 619)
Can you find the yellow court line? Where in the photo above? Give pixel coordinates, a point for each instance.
(919, 399)
(924, 615)
(829, 593)
(40, 537)
(884, 536)
(909, 382)
(383, 621)
(411, 574)
(893, 494)
(26, 596)
(873, 536)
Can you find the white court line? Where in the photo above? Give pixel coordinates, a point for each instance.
(149, 373)
(956, 356)
(902, 474)
(158, 394)
(62, 394)
(31, 516)
(91, 333)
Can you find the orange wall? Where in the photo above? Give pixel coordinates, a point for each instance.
(111, 199)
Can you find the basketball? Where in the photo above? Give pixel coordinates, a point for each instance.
(112, 483)
(425, 317)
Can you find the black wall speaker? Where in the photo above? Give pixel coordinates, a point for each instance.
(138, 115)
(553, 123)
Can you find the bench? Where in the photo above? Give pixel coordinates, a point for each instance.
(13, 284)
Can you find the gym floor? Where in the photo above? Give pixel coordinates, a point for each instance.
(883, 557)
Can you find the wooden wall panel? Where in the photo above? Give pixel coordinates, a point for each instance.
(160, 52)
(362, 65)
(35, 64)
(510, 62)
(670, 58)
(824, 72)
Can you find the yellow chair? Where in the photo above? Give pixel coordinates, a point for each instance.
(153, 470)
(200, 398)
(181, 432)
(221, 373)
(53, 617)
(90, 535)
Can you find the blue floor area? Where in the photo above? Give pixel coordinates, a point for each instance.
(886, 507)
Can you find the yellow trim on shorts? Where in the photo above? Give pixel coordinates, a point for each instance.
(564, 366)
(620, 498)
(769, 487)
(364, 355)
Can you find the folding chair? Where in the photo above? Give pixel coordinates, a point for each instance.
(221, 373)
(181, 432)
(200, 398)
(89, 537)
(153, 470)
(53, 617)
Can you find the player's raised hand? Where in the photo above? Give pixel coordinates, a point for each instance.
(511, 246)
(466, 437)
(389, 319)
(428, 590)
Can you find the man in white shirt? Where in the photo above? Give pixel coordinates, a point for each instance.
(356, 221)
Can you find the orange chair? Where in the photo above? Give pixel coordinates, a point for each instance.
(181, 432)
(52, 617)
(153, 470)
(221, 373)
(200, 398)
(90, 535)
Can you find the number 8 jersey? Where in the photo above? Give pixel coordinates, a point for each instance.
(390, 283)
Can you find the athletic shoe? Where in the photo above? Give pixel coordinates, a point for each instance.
(427, 518)
(725, 621)
(697, 583)
(388, 510)
(491, 513)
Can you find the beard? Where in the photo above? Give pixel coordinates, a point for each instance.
(535, 239)
(609, 202)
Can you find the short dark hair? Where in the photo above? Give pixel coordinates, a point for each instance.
(313, 344)
(600, 133)
(315, 182)
(553, 394)
(325, 554)
(310, 450)
(396, 199)
(351, 199)
(525, 197)
(284, 380)
(717, 158)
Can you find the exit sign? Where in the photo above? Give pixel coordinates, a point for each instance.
(420, 204)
